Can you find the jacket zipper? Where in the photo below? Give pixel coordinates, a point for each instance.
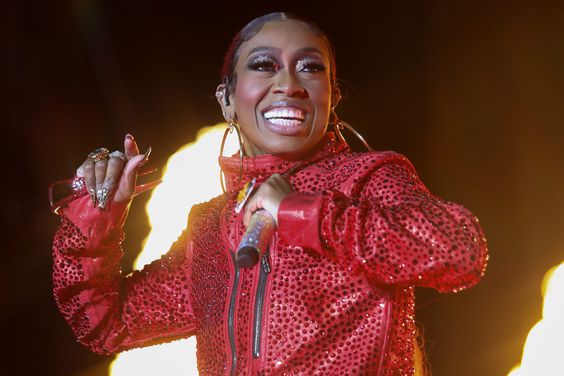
(259, 303)
(231, 316)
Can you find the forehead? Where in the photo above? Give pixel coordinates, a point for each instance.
(287, 36)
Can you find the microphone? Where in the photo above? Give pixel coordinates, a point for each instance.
(256, 240)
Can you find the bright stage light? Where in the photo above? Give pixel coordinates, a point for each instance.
(543, 352)
(190, 176)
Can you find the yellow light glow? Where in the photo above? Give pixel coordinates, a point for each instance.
(543, 352)
(190, 176)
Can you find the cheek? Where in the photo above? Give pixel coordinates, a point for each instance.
(320, 95)
(248, 95)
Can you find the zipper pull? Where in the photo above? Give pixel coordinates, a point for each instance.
(265, 263)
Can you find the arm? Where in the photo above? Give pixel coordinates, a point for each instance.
(390, 228)
(107, 311)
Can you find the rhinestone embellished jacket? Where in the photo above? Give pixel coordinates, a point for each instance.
(334, 295)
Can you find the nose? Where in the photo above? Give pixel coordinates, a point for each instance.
(289, 85)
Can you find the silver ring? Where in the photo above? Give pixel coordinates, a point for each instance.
(118, 154)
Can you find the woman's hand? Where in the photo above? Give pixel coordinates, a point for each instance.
(268, 196)
(114, 177)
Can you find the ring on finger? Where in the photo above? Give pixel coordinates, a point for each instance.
(98, 155)
(118, 154)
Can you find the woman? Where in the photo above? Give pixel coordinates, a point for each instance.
(355, 233)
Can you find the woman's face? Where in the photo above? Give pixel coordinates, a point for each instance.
(282, 97)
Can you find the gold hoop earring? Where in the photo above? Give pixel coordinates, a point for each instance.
(233, 125)
(339, 125)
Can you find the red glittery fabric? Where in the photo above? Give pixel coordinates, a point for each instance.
(333, 296)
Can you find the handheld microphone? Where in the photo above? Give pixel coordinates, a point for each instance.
(256, 240)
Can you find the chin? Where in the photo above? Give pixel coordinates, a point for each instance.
(289, 149)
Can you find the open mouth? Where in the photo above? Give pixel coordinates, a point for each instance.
(285, 116)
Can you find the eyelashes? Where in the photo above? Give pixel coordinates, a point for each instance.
(263, 63)
(268, 63)
(310, 65)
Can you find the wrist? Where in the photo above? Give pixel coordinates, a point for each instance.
(100, 227)
(299, 220)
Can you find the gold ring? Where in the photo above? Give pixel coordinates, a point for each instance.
(98, 155)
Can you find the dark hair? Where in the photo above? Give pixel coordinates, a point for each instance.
(228, 75)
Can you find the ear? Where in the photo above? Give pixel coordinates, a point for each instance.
(335, 96)
(227, 107)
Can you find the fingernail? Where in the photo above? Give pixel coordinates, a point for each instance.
(146, 157)
(102, 197)
(147, 172)
(130, 137)
(92, 193)
(146, 187)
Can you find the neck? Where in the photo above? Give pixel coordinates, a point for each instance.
(251, 150)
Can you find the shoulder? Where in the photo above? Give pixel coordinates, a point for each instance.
(204, 213)
(206, 206)
(361, 163)
(350, 171)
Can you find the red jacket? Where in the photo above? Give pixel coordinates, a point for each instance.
(333, 296)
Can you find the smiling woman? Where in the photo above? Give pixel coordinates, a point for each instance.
(352, 235)
(283, 90)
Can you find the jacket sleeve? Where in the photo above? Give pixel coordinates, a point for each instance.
(391, 228)
(107, 311)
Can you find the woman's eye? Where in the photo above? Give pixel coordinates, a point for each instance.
(263, 64)
(310, 66)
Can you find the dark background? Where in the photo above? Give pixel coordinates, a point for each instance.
(471, 92)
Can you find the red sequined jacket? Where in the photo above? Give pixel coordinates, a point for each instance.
(333, 296)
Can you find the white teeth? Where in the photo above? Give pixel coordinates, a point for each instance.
(285, 122)
(285, 114)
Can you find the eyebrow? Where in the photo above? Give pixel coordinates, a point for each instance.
(262, 49)
(272, 49)
(310, 49)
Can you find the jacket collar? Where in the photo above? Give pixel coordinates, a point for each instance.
(262, 166)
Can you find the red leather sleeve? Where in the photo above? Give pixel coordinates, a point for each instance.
(392, 229)
(107, 311)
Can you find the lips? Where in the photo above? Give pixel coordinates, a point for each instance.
(285, 119)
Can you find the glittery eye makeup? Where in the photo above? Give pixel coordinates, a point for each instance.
(310, 64)
(263, 63)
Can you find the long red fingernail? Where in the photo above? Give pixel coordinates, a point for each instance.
(147, 171)
(147, 187)
(146, 157)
